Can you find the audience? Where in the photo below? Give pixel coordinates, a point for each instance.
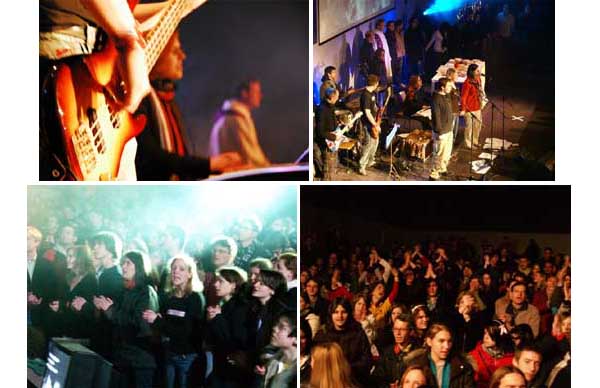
(440, 313)
(166, 310)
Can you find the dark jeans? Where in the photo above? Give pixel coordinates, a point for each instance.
(414, 65)
(143, 377)
(318, 160)
(178, 365)
(324, 161)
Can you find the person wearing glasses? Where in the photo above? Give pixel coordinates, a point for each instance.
(391, 364)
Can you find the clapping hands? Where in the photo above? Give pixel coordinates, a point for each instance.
(102, 303)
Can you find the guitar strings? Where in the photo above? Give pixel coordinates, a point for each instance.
(152, 56)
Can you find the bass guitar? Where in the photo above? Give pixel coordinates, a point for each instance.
(88, 92)
(379, 117)
(334, 145)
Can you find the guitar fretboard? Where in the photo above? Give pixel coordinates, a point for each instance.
(158, 38)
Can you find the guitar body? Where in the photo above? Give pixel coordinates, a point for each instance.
(334, 145)
(380, 112)
(94, 127)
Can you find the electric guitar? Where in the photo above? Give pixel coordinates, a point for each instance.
(88, 92)
(334, 145)
(379, 117)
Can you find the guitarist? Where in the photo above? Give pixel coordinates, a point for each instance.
(368, 105)
(70, 29)
(326, 124)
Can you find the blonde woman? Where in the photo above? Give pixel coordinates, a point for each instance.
(329, 367)
(180, 318)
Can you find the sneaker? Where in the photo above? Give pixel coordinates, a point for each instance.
(362, 172)
(431, 178)
(371, 164)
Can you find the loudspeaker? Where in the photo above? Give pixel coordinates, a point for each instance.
(71, 364)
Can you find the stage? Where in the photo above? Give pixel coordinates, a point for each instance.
(532, 159)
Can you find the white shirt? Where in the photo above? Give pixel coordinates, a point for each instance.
(386, 48)
(436, 40)
(236, 132)
(31, 265)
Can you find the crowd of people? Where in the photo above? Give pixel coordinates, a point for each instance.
(493, 31)
(405, 58)
(165, 307)
(434, 314)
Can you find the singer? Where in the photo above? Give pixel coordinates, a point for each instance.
(471, 101)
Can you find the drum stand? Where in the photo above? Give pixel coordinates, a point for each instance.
(393, 174)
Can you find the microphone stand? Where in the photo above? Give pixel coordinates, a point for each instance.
(501, 110)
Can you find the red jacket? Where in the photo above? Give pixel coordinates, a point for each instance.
(469, 96)
(487, 365)
(340, 291)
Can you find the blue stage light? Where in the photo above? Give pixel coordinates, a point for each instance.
(444, 6)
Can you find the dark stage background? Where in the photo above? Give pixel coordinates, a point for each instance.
(388, 214)
(227, 41)
(545, 209)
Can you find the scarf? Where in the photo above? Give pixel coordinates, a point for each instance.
(444, 382)
(169, 119)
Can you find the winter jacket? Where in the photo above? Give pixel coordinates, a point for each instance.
(390, 365)
(487, 364)
(461, 370)
(355, 345)
(469, 97)
(131, 333)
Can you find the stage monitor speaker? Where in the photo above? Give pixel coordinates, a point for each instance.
(70, 365)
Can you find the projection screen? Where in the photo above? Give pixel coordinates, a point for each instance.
(337, 16)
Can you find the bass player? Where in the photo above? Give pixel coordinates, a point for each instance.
(71, 29)
(368, 105)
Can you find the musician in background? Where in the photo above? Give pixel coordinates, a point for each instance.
(329, 80)
(416, 100)
(368, 105)
(164, 149)
(326, 124)
(234, 128)
(470, 99)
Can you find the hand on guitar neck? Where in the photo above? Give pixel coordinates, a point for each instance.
(131, 46)
(376, 129)
(133, 69)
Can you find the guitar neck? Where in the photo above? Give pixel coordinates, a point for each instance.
(157, 38)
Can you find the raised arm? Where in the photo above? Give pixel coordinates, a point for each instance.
(387, 268)
(395, 287)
